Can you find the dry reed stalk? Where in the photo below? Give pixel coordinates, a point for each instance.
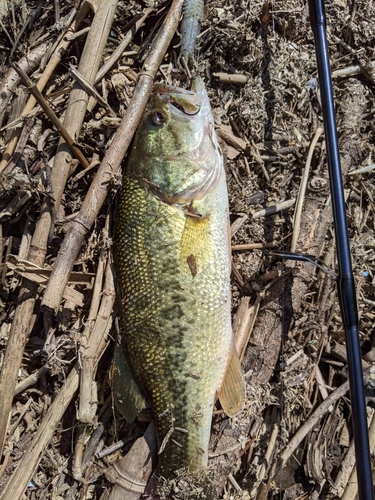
(14, 351)
(11, 80)
(51, 115)
(75, 113)
(346, 468)
(351, 490)
(243, 323)
(30, 380)
(87, 410)
(314, 419)
(117, 53)
(46, 75)
(302, 191)
(90, 89)
(253, 246)
(130, 474)
(110, 166)
(79, 449)
(261, 474)
(20, 330)
(18, 482)
(3, 8)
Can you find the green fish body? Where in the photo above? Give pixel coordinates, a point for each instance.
(172, 255)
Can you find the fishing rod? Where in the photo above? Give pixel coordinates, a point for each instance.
(345, 279)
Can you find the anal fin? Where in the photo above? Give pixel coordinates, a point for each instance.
(128, 398)
(233, 389)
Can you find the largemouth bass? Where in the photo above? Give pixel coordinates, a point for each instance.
(172, 254)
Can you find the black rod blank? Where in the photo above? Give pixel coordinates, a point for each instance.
(345, 282)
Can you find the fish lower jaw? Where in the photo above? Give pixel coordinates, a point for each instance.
(185, 195)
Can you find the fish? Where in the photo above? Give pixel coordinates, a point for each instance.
(172, 261)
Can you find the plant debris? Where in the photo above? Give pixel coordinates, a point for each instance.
(89, 62)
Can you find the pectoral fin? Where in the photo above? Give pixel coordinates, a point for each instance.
(232, 391)
(127, 396)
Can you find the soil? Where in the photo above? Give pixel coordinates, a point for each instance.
(295, 355)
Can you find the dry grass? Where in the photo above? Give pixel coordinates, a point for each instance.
(54, 382)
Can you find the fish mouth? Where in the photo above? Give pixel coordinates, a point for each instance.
(180, 100)
(204, 162)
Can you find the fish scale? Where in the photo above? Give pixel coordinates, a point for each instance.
(173, 269)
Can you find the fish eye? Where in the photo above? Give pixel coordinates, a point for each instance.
(157, 117)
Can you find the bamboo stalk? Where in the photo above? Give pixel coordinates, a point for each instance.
(20, 330)
(110, 166)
